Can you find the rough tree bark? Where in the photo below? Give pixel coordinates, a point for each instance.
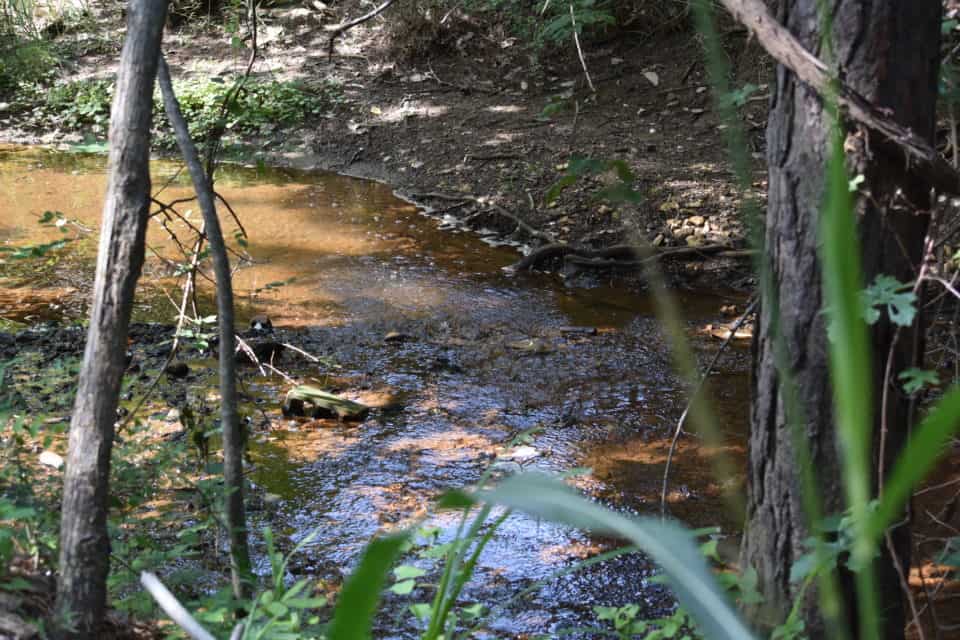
(84, 545)
(888, 51)
(232, 439)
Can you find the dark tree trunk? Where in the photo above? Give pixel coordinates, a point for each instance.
(84, 545)
(232, 437)
(888, 51)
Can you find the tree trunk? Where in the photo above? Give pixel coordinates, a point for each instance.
(888, 51)
(232, 438)
(84, 544)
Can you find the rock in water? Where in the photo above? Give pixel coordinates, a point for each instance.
(261, 324)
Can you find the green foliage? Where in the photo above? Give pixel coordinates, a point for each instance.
(358, 600)
(283, 611)
(24, 63)
(897, 298)
(197, 333)
(259, 108)
(563, 18)
(619, 190)
(915, 379)
(670, 545)
(81, 103)
(29, 517)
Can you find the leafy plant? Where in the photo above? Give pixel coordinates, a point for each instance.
(621, 189)
(561, 19)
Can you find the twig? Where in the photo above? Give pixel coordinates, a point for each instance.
(696, 392)
(181, 316)
(337, 30)
(241, 573)
(308, 356)
(904, 585)
(576, 41)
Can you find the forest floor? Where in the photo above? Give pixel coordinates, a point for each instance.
(461, 112)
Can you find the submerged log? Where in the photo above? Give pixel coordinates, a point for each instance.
(324, 403)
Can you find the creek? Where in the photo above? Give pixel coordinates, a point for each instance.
(338, 264)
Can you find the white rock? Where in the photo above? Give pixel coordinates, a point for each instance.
(51, 459)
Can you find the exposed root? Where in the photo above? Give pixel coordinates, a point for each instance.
(489, 208)
(621, 256)
(616, 257)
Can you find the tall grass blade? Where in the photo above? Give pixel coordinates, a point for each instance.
(670, 545)
(928, 444)
(357, 604)
(850, 368)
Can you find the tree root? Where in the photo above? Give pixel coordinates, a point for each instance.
(489, 208)
(621, 256)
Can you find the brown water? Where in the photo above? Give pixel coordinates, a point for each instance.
(454, 394)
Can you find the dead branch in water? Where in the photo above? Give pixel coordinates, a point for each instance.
(696, 392)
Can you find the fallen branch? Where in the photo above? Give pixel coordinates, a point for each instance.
(337, 29)
(519, 224)
(488, 208)
(923, 161)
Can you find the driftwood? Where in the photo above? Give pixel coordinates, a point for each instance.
(325, 404)
(923, 161)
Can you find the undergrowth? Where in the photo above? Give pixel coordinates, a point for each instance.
(83, 106)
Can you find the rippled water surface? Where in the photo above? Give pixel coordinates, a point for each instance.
(486, 357)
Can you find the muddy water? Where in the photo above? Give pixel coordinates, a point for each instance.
(485, 358)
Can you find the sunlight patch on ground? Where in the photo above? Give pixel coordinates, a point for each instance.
(398, 113)
(501, 138)
(505, 108)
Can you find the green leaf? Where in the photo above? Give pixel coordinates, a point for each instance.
(855, 182)
(621, 192)
(916, 379)
(927, 445)
(472, 612)
(671, 546)
(404, 587)
(850, 363)
(888, 291)
(554, 192)
(357, 604)
(455, 500)
(406, 571)
(421, 611)
(306, 603)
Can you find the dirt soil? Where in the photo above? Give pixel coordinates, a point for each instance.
(464, 118)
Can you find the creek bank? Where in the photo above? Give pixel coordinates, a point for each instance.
(471, 123)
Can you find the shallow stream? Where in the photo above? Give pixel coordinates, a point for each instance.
(483, 357)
